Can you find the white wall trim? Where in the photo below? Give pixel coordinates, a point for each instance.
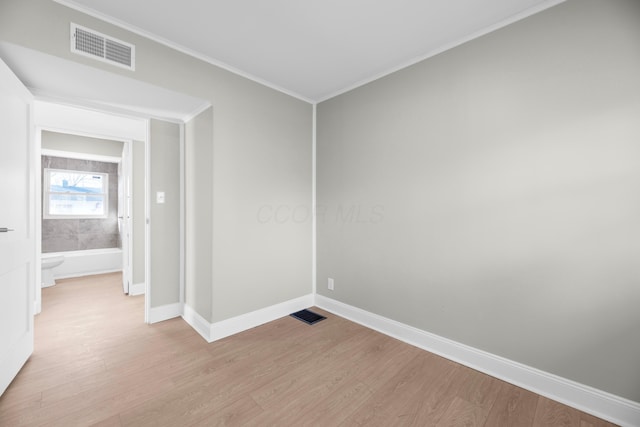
(587, 399)
(165, 312)
(197, 322)
(314, 219)
(181, 220)
(136, 289)
(36, 161)
(154, 37)
(510, 20)
(218, 330)
(147, 227)
(196, 112)
(161, 40)
(250, 320)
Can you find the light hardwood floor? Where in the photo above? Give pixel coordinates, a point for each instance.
(97, 363)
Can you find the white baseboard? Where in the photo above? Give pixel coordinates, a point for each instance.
(587, 399)
(197, 322)
(218, 330)
(136, 289)
(84, 274)
(165, 312)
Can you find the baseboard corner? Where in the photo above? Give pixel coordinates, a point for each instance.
(234, 325)
(197, 322)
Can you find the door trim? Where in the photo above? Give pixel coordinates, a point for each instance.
(125, 175)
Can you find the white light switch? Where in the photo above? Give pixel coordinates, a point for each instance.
(160, 197)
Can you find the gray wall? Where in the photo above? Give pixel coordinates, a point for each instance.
(490, 194)
(199, 214)
(264, 163)
(164, 151)
(137, 211)
(80, 144)
(77, 234)
(233, 236)
(261, 146)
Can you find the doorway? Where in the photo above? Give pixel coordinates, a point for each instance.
(122, 109)
(117, 241)
(86, 186)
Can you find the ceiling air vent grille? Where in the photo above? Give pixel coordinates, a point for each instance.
(95, 45)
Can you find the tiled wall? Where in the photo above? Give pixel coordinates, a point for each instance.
(59, 235)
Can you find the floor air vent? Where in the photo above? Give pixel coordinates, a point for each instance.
(95, 45)
(307, 316)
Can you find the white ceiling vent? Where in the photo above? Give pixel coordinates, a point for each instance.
(95, 45)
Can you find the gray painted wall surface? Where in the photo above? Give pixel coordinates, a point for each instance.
(77, 234)
(164, 149)
(491, 194)
(199, 213)
(80, 144)
(137, 211)
(260, 165)
(261, 146)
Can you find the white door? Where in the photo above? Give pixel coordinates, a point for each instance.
(124, 214)
(17, 243)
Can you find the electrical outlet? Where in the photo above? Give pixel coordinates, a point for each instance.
(330, 284)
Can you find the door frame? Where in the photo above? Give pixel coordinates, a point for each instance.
(125, 211)
(46, 118)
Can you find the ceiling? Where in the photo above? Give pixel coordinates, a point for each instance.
(311, 49)
(56, 79)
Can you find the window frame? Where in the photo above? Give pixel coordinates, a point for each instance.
(46, 195)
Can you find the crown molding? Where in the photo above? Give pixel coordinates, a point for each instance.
(154, 37)
(510, 20)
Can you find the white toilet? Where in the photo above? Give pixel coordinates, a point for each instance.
(49, 262)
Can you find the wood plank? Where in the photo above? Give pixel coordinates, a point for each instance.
(513, 407)
(338, 405)
(13, 405)
(109, 422)
(428, 406)
(386, 406)
(463, 413)
(97, 363)
(551, 413)
(473, 402)
(238, 413)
